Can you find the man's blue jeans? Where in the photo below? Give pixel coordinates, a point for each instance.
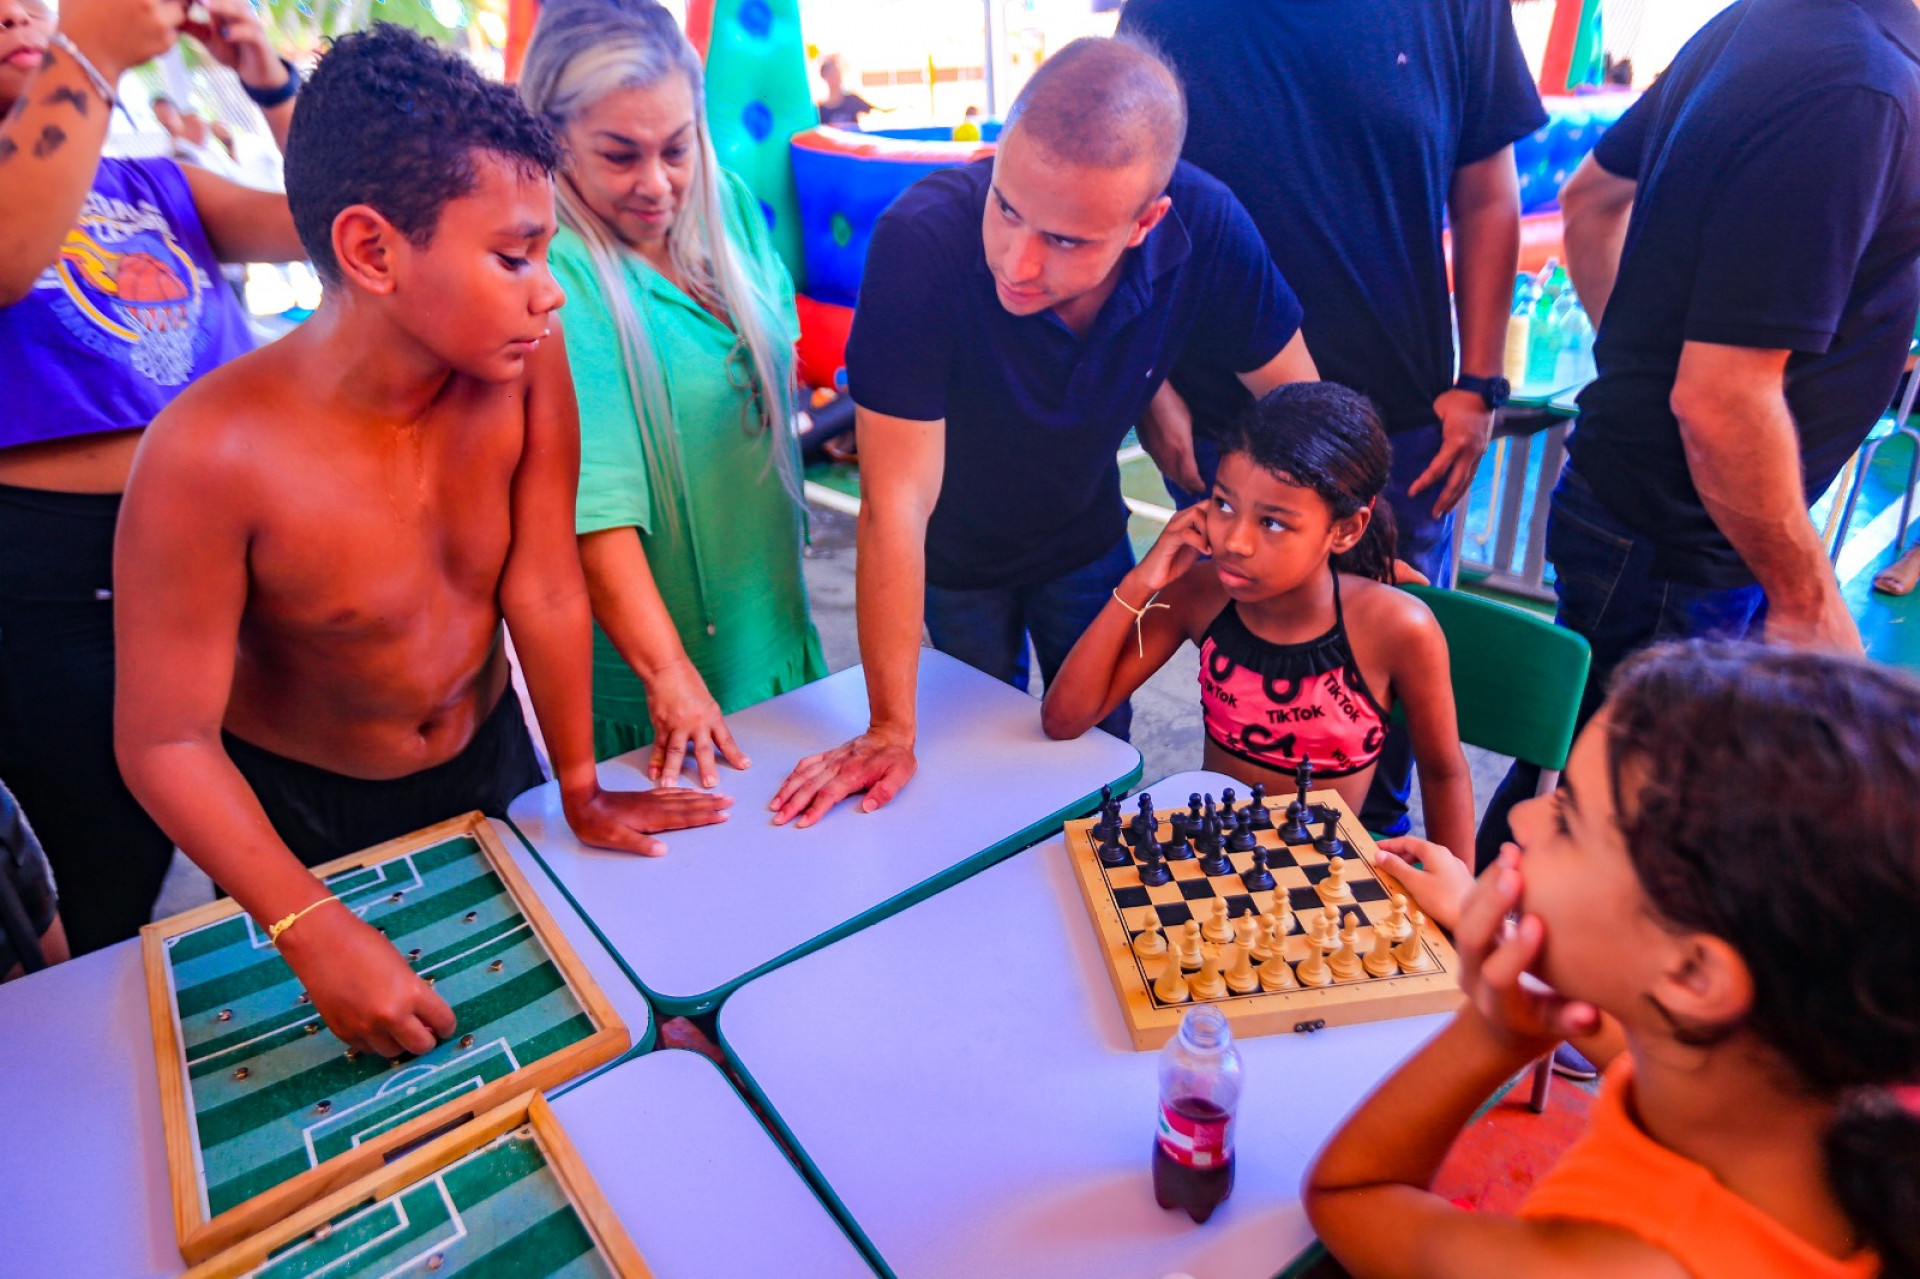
(988, 628)
(1609, 593)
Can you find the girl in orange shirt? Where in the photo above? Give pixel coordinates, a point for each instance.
(1730, 875)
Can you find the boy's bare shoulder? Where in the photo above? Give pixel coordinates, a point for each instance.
(223, 416)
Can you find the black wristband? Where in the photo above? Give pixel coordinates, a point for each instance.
(266, 98)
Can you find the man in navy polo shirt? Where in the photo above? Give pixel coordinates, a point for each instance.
(1353, 134)
(1015, 319)
(1748, 237)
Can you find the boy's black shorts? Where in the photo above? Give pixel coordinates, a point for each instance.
(323, 815)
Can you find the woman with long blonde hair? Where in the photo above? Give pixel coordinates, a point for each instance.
(680, 327)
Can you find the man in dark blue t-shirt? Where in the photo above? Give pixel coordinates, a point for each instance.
(1353, 134)
(1748, 237)
(1015, 319)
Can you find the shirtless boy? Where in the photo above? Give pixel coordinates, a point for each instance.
(321, 539)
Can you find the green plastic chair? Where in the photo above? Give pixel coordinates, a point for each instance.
(1517, 678)
(1517, 684)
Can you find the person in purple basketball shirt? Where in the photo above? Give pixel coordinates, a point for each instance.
(111, 301)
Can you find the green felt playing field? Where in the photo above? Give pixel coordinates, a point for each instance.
(273, 1093)
(500, 1210)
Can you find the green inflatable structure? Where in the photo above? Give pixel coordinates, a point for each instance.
(758, 97)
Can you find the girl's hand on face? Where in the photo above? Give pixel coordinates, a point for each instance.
(1179, 548)
(1495, 952)
(1439, 884)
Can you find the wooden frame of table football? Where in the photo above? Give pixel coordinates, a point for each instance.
(609, 1236)
(1309, 1007)
(201, 1237)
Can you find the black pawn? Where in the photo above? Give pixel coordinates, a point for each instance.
(1330, 844)
(1298, 810)
(1193, 811)
(1214, 860)
(1227, 797)
(1257, 877)
(1113, 855)
(1257, 804)
(1153, 869)
(1242, 840)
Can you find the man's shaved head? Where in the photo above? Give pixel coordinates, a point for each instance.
(1105, 104)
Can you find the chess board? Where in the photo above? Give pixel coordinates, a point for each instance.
(503, 1195)
(1122, 909)
(266, 1111)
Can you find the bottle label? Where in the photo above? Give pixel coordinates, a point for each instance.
(1193, 1141)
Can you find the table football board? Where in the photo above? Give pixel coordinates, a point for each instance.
(1121, 907)
(265, 1110)
(503, 1195)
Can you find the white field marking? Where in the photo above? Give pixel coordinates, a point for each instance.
(304, 1020)
(459, 1232)
(395, 1204)
(361, 908)
(412, 1077)
(256, 1039)
(193, 1129)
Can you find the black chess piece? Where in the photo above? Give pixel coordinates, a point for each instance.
(1178, 848)
(1153, 867)
(1257, 877)
(1213, 858)
(1242, 839)
(1114, 855)
(1177, 823)
(1298, 810)
(1206, 840)
(1257, 805)
(1330, 844)
(1106, 826)
(1193, 811)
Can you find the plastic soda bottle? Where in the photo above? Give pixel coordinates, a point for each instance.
(1546, 339)
(1199, 1093)
(1519, 325)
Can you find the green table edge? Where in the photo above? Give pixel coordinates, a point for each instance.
(664, 1005)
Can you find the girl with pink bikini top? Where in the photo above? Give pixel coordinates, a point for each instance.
(1283, 581)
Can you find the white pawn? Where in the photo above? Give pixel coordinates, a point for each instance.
(1345, 962)
(1150, 944)
(1207, 983)
(1333, 889)
(1277, 974)
(1411, 954)
(1190, 949)
(1379, 961)
(1313, 969)
(1219, 929)
(1171, 987)
(1262, 936)
(1241, 979)
(1397, 924)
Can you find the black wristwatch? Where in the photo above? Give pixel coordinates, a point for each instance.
(1496, 391)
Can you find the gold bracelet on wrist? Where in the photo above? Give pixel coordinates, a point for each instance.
(280, 926)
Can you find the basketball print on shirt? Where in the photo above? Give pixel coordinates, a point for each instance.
(128, 290)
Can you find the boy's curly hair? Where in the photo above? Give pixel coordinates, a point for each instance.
(392, 121)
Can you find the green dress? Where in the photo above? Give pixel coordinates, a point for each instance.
(729, 567)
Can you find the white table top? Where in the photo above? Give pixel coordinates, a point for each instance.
(83, 1159)
(961, 1076)
(698, 1183)
(731, 900)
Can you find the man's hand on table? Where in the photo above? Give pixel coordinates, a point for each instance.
(627, 820)
(366, 993)
(879, 761)
(1466, 428)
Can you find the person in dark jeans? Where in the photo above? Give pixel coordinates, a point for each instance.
(1351, 199)
(1016, 318)
(1747, 237)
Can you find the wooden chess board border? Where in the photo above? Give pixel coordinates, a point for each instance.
(1270, 1012)
(201, 1237)
(528, 1108)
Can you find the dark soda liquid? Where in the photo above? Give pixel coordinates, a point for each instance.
(1198, 1190)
